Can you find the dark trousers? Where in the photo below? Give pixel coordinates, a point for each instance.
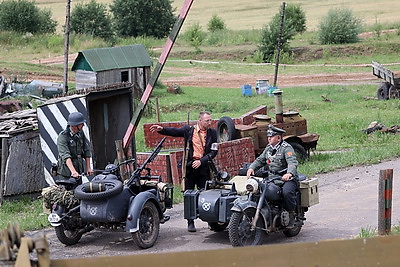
(197, 177)
(289, 195)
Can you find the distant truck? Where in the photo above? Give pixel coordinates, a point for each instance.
(390, 88)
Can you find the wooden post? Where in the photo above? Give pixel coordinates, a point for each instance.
(121, 158)
(157, 110)
(66, 45)
(4, 156)
(385, 201)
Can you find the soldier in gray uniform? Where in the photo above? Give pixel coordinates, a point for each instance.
(73, 148)
(281, 160)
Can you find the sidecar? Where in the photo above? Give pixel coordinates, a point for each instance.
(213, 205)
(136, 209)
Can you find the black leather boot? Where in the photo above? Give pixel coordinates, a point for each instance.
(191, 227)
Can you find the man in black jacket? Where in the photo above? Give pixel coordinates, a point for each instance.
(198, 140)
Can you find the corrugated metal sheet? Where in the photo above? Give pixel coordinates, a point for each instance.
(101, 59)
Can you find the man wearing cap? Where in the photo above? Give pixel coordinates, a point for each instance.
(73, 148)
(281, 160)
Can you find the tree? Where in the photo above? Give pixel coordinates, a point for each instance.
(294, 22)
(340, 26)
(143, 17)
(92, 18)
(24, 16)
(215, 24)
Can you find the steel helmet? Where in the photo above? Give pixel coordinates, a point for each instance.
(75, 118)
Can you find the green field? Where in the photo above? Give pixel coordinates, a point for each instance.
(253, 14)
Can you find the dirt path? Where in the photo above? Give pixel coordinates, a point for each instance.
(197, 77)
(204, 78)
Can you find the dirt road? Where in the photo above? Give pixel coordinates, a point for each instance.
(348, 203)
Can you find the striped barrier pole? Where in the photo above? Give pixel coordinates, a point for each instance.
(385, 201)
(156, 73)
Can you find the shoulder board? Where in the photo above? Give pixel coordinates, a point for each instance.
(285, 144)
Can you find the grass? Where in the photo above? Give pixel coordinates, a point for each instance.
(371, 232)
(27, 213)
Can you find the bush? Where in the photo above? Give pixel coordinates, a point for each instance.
(92, 18)
(340, 26)
(195, 36)
(215, 24)
(294, 22)
(143, 17)
(23, 16)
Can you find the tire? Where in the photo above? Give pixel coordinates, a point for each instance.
(239, 229)
(216, 227)
(301, 153)
(226, 130)
(114, 187)
(296, 230)
(383, 91)
(68, 237)
(149, 226)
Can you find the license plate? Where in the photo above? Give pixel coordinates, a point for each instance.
(54, 218)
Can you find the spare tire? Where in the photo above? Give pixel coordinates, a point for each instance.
(113, 187)
(226, 130)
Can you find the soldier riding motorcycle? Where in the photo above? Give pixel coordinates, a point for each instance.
(273, 203)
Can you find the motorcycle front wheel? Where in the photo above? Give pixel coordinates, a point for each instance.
(149, 226)
(68, 237)
(240, 229)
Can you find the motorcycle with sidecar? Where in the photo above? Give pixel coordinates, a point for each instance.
(136, 205)
(260, 211)
(248, 211)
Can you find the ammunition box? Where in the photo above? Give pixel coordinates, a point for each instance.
(309, 192)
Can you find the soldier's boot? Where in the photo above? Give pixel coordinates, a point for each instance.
(291, 220)
(191, 227)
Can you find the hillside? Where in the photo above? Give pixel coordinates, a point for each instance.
(253, 14)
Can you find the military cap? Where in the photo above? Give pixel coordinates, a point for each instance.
(272, 130)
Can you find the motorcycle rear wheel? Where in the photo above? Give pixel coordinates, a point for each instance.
(149, 226)
(68, 237)
(240, 232)
(296, 230)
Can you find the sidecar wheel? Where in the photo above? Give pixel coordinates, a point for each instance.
(216, 227)
(149, 226)
(240, 232)
(68, 237)
(114, 187)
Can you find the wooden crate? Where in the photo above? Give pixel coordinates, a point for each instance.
(248, 131)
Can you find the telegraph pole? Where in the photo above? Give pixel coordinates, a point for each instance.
(66, 45)
(278, 52)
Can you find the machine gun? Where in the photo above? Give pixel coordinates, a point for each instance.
(218, 178)
(135, 177)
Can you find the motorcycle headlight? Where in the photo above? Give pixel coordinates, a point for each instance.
(251, 185)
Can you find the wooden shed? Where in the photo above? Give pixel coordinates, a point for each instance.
(108, 112)
(104, 66)
(21, 155)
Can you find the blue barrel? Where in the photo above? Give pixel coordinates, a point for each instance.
(246, 90)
